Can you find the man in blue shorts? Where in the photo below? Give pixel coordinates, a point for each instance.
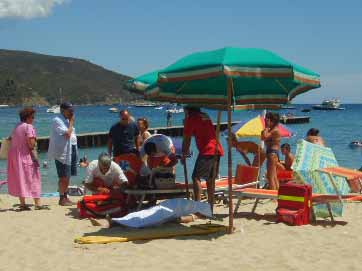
(63, 149)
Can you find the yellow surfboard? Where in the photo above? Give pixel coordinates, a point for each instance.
(154, 233)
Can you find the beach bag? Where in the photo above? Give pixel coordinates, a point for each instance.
(294, 204)
(98, 206)
(4, 149)
(163, 178)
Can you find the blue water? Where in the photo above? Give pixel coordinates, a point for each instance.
(338, 128)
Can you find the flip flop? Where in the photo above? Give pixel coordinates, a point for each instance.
(42, 207)
(23, 208)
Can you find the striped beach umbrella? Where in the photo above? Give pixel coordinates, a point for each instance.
(258, 77)
(140, 83)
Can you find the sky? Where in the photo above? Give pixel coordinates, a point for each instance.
(135, 37)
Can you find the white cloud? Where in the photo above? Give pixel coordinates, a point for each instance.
(28, 9)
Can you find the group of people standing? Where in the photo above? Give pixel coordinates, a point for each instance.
(128, 136)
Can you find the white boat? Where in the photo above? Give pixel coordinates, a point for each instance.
(54, 109)
(175, 110)
(159, 107)
(330, 104)
(113, 110)
(4, 106)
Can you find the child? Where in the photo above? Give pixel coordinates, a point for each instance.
(288, 158)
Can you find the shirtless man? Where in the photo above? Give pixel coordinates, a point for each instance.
(314, 137)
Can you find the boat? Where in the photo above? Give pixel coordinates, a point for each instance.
(159, 107)
(175, 110)
(305, 110)
(54, 109)
(113, 110)
(331, 104)
(145, 104)
(4, 106)
(355, 144)
(287, 107)
(290, 119)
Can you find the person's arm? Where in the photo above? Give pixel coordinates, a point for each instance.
(186, 145)
(266, 134)
(98, 190)
(69, 132)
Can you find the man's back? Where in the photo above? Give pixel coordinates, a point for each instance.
(199, 125)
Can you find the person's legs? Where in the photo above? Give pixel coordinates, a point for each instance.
(197, 188)
(63, 171)
(272, 171)
(22, 201)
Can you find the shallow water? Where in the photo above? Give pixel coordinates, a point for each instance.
(338, 128)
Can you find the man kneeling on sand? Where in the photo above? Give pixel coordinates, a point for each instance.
(104, 176)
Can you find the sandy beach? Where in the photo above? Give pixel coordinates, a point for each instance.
(43, 240)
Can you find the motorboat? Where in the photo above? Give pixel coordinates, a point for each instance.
(159, 108)
(330, 104)
(113, 110)
(55, 109)
(4, 106)
(306, 110)
(291, 119)
(355, 144)
(175, 110)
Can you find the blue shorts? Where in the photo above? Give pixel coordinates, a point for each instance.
(65, 170)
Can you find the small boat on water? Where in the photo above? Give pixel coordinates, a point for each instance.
(113, 110)
(305, 110)
(287, 107)
(55, 109)
(355, 144)
(290, 119)
(159, 108)
(175, 110)
(331, 104)
(145, 105)
(4, 106)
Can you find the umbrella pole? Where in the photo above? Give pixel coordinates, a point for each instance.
(231, 218)
(186, 180)
(216, 164)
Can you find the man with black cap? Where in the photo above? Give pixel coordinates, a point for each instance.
(63, 149)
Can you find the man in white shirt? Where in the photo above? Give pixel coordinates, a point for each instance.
(63, 149)
(104, 176)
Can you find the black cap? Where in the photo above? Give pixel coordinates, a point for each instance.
(66, 105)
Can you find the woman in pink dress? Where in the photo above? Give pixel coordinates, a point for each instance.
(23, 166)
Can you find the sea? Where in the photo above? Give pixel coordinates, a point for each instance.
(338, 128)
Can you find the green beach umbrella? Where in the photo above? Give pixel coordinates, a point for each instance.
(258, 77)
(140, 83)
(232, 78)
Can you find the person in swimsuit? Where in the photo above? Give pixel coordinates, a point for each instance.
(271, 136)
(142, 124)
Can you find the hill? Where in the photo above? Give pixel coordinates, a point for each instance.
(31, 78)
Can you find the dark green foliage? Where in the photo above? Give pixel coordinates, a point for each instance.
(43, 79)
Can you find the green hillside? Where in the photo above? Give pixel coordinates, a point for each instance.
(30, 78)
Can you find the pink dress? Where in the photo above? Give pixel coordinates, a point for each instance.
(23, 172)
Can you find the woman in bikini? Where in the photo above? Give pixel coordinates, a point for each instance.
(271, 136)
